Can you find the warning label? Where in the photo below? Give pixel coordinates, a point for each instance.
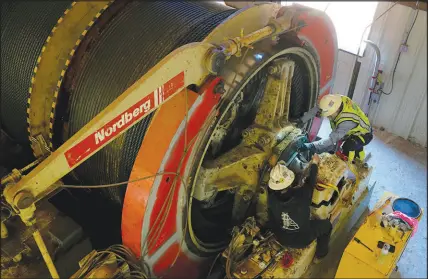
(124, 120)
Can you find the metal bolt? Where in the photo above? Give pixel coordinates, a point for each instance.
(23, 199)
(273, 70)
(247, 196)
(264, 140)
(216, 62)
(219, 88)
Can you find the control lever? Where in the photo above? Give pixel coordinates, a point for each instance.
(360, 242)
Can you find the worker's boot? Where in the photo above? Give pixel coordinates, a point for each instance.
(317, 260)
(351, 157)
(361, 155)
(322, 251)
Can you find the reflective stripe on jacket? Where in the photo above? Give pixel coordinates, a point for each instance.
(352, 112)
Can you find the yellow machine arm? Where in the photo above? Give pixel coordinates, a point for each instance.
(162, 82)
(187, 65)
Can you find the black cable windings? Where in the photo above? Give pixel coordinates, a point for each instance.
(25, 25)
(137, 38)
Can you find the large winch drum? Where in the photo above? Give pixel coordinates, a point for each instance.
(64, 62)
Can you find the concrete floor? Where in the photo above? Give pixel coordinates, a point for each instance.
(400, 167)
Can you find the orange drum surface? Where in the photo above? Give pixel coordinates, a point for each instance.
(152, 217)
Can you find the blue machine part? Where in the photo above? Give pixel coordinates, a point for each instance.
(407, 206)
(293, 149)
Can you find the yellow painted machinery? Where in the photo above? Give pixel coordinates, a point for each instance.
(255, 252)
(377, 246)
(162, 120)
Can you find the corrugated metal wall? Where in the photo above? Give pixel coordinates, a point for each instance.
(404, 112)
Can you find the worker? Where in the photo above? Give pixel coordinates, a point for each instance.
(289, 200)
(348, 122)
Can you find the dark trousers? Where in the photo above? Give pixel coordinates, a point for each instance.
(321, 230)
(354, 143)
(318, 229)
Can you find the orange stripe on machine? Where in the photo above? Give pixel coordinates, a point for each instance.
(123, 121)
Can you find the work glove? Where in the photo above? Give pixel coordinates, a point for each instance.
(308, 146)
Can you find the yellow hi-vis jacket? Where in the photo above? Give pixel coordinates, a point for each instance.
(352, 112)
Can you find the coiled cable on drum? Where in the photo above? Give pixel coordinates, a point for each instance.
(25, 26)
(137, 38)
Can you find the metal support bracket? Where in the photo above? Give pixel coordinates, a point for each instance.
(39, 146)
(239, 169)
(275, 27)
(276, 101)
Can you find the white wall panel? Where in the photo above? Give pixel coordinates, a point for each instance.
(413, 92)
(344, 68)
(404, 111)
(418, 133)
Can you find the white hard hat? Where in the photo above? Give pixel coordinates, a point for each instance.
(329, 104)
(280, 177)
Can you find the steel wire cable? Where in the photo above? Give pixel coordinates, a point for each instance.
(122, 255)
(135, 41)
(163, 214)
(158, 223)
(25, 26)
(177, 175)
(296, 90)
(161, 217)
